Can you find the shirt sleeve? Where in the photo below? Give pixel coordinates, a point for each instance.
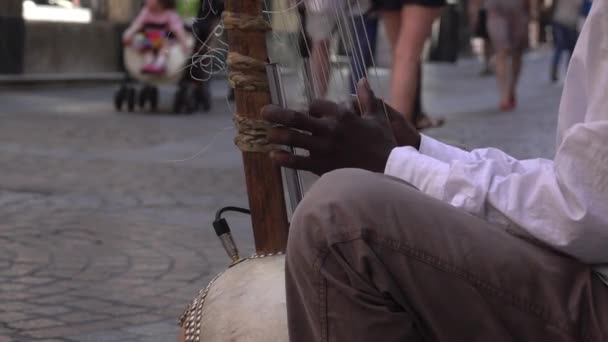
(558, 202)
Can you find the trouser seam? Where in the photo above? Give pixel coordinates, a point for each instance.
(322, 254)
(442, 265)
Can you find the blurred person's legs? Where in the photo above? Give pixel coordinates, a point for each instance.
(361, 56)
(516, 66)
(498, 28)
(199, 74)
(564, 39)
(519, 27)
(207, 32)
(558, 49)
(480, 21)
(321, 67)
(509, 34)
(320, 27)
(376, 260)
(487, 52)
(406, 34)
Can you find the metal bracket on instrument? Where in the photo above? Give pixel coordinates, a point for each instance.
(291, 178)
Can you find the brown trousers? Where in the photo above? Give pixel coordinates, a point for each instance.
(372, 259)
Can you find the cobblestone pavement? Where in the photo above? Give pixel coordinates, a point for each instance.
(105, 218)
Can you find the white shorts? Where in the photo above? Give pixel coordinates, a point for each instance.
(320, 25)
(322, 16)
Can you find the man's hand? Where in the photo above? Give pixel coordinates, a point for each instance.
(404, 132)
(335, 136)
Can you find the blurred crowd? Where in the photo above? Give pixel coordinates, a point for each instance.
(504, 26)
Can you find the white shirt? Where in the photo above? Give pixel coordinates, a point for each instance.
(561, 202)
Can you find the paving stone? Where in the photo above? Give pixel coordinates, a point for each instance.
(44, 310)
(106, 336)
(143, 318)
(35, 324)
(63, 299)
(13, 287)
(90, 304)
(10, 317)
(160, 328)
(118, 310)
(81, 317)
(12, 306)
(35, 280)
(161, 338)
(48, 290)
(76, 329)
(6, 339)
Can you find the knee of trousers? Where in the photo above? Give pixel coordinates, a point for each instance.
(342, 203)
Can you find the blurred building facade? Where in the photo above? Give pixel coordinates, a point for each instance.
(56, 45)
(31, 43)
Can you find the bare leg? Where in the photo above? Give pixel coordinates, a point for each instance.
(516, 66)
(407, 31)
(392, 25)
(502, 78)
(487, 57)
(320, 67)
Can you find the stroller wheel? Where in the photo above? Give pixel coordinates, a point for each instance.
(204, 96)
(190, 100)
(119, 98)
(131, 99)
(153, 99)
(184, 101)
(179, 100)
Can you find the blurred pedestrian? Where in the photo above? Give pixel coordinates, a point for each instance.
(508, 22)
(321, 20)
(206, 30)
(585, 9)
(408, 24)
(566, 14)
(365, 28)
(478, 16)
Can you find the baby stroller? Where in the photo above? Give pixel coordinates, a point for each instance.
(142, 89)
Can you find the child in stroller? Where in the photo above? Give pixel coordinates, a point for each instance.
(157, 46)
(150, 33)
(169, 64)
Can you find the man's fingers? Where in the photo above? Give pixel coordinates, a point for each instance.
(289, 137)
(366, 96)
(367, 102)
(291, 161)
(292, 119)
(324, 109)
(355, 104)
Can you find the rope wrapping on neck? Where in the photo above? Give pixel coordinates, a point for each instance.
(252, 135)
(249, 74)
(246, 73)
(245, 22)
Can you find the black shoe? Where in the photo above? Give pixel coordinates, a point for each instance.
(554, 77)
